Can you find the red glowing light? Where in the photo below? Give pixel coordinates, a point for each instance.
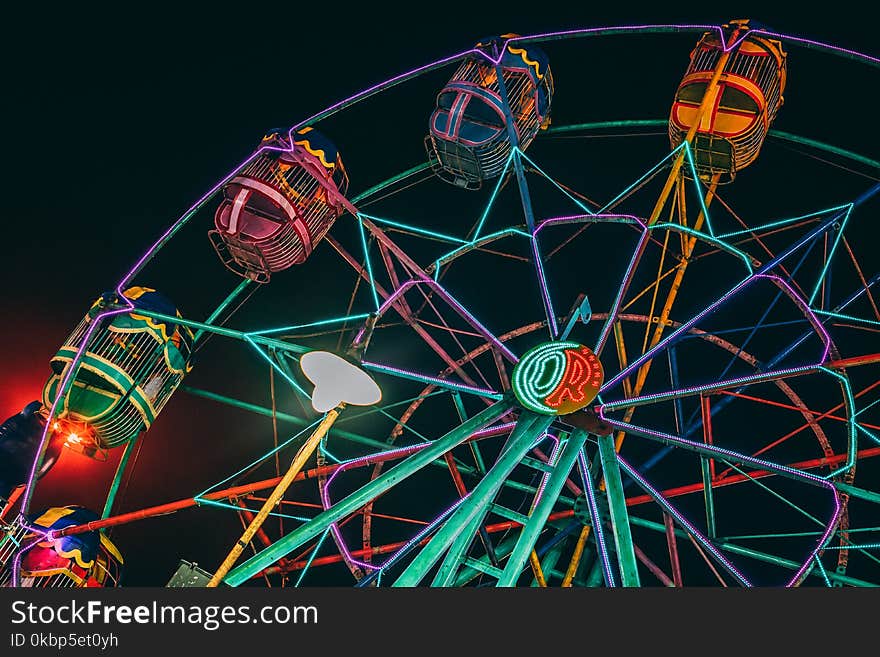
(579, 383)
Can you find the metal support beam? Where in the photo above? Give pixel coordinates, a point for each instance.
(528, 428)
(120, 472)
(538, 517)
(370, 491)
(626, 557)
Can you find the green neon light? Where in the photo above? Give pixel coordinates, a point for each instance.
(492, 197)
(311, 557)
(367, 262)
(851, 426)
(225, 505)
(847, 317)
(557, 185)
(414, 229)
(831, 254)
(644, 177)
(783, 222)
(322, 322)
(275, 367)
(538, 373)
(690, 160)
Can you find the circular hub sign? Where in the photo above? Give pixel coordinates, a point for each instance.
(557, 378)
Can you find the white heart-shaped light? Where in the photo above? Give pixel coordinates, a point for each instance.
(337, 381)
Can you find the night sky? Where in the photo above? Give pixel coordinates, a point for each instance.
(117, 121)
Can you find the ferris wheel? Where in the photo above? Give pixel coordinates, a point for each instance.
(496, 379)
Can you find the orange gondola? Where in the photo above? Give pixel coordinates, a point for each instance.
(741, 106)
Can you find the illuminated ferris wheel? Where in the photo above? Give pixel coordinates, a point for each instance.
(496, 379)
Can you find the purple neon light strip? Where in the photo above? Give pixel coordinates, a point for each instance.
(618, 300)
(726, 454)
(693, 531)
(598, 531)
(814, 320)
(334, 527)
(74, 365)
(31, 480)
(709, 387)
(421, 534)
(403, 77)
(575, 218)
(635, 28)
(545, 291)
(442, 383)
(401, 451)
(811, 315)
(551, 461)
(820, 44)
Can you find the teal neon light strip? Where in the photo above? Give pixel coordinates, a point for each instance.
(576, 200)
(296, 327)
(200, 496)
(822, 569)
(707, 238)
(275, 367)
(491, 201)
(782, 222)
(747, 537)
(225, 505)
(476, 243)
(869, 434)
(854, 546)
(651, 172)
(831, 254)
(849, 318)
(873, 403)
(851, 426)
(368, 264)
(420, 231)
(311, 558)
(698, 186)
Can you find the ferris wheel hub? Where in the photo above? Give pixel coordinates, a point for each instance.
(557, 378)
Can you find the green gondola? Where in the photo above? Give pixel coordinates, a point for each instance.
(130, 369)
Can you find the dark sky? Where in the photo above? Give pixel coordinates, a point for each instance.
(116, 121)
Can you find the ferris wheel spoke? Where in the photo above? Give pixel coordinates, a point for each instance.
(452, 537)
(732, 457)
(370, 491)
